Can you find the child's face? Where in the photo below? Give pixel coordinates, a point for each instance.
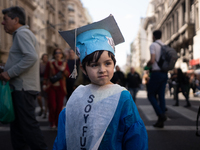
(101, 72)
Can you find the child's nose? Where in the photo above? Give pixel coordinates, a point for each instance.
(102, 68)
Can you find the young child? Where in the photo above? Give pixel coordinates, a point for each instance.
(101, 115)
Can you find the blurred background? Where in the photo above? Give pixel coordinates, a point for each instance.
(178, 20)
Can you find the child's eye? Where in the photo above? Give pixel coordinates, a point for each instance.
(108, 63)
(93, 65)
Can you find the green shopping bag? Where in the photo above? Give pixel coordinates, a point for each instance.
(6, 106)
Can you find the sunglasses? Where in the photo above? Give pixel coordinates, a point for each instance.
(58, 52)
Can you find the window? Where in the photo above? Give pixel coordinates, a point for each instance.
(191, 11)
(170, 30)
(184, 13)
(197, 19)
(70, 7)
(71, 20)
(173, 25)
(177, 21)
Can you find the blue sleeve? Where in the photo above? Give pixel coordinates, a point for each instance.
(135, 132)
(126, 131)
(60, 141)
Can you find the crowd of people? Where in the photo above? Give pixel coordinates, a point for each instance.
(52, 96)
(132, 81)
(100, 112)
(183, 82)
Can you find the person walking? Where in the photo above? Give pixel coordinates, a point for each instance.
(133, 82)
(118, 77)
(158, 80)
(182, 85)
(56, 91)
(194, 83)
(43, 94)
(72, 59)
(174, 82)
(145, 79)
(22, 71)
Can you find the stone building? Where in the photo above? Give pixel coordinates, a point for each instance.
(45, 18)
(179, 22)
(139, 54)
(6, 39)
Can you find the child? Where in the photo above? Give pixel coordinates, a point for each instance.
(101, 115)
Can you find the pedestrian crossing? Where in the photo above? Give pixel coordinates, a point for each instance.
(151, 115)
(186, 113)
(148, 112)
(174, 128)
(189, 114)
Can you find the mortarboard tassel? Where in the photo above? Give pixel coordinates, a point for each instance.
(74, 72)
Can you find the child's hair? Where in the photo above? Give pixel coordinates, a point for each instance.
(95, 56)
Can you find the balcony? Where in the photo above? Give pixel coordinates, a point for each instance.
(184, 36)
(50, 26)
(32, 4)
(61, 15)
(63, 3)
(50, 6)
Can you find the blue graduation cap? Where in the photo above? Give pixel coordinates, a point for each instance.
(101, 35)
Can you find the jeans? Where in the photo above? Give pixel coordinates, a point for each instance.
(157, 84)
(185, 91)
(25, 130)
(133, 92)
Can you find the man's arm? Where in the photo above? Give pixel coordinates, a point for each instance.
(4, 76)
(152, 60)
(30, 56)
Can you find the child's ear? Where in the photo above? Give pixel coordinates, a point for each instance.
(83, 70)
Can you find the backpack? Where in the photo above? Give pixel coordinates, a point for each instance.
(168, 58)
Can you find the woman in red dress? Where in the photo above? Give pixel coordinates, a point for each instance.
(56, 91)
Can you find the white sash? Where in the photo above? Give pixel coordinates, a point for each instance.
(89, 111)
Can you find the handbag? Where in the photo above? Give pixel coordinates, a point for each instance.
(56, 77)
(6, 105)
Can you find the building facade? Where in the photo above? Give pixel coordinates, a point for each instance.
(138, 48)
(45, 18)
(176, 20)
(179, 22)
(6, 39)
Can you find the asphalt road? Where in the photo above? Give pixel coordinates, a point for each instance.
(178, 133)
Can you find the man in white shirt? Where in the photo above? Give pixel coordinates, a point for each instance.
(158, 80)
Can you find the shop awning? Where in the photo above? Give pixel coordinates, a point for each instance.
(194, 62)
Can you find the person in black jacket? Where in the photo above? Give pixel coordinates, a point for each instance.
(118, 77)
(183, 86)
(133, 82)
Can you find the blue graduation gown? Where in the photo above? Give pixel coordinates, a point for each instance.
(126, 131)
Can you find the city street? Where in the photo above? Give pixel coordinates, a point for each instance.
(179, 132)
